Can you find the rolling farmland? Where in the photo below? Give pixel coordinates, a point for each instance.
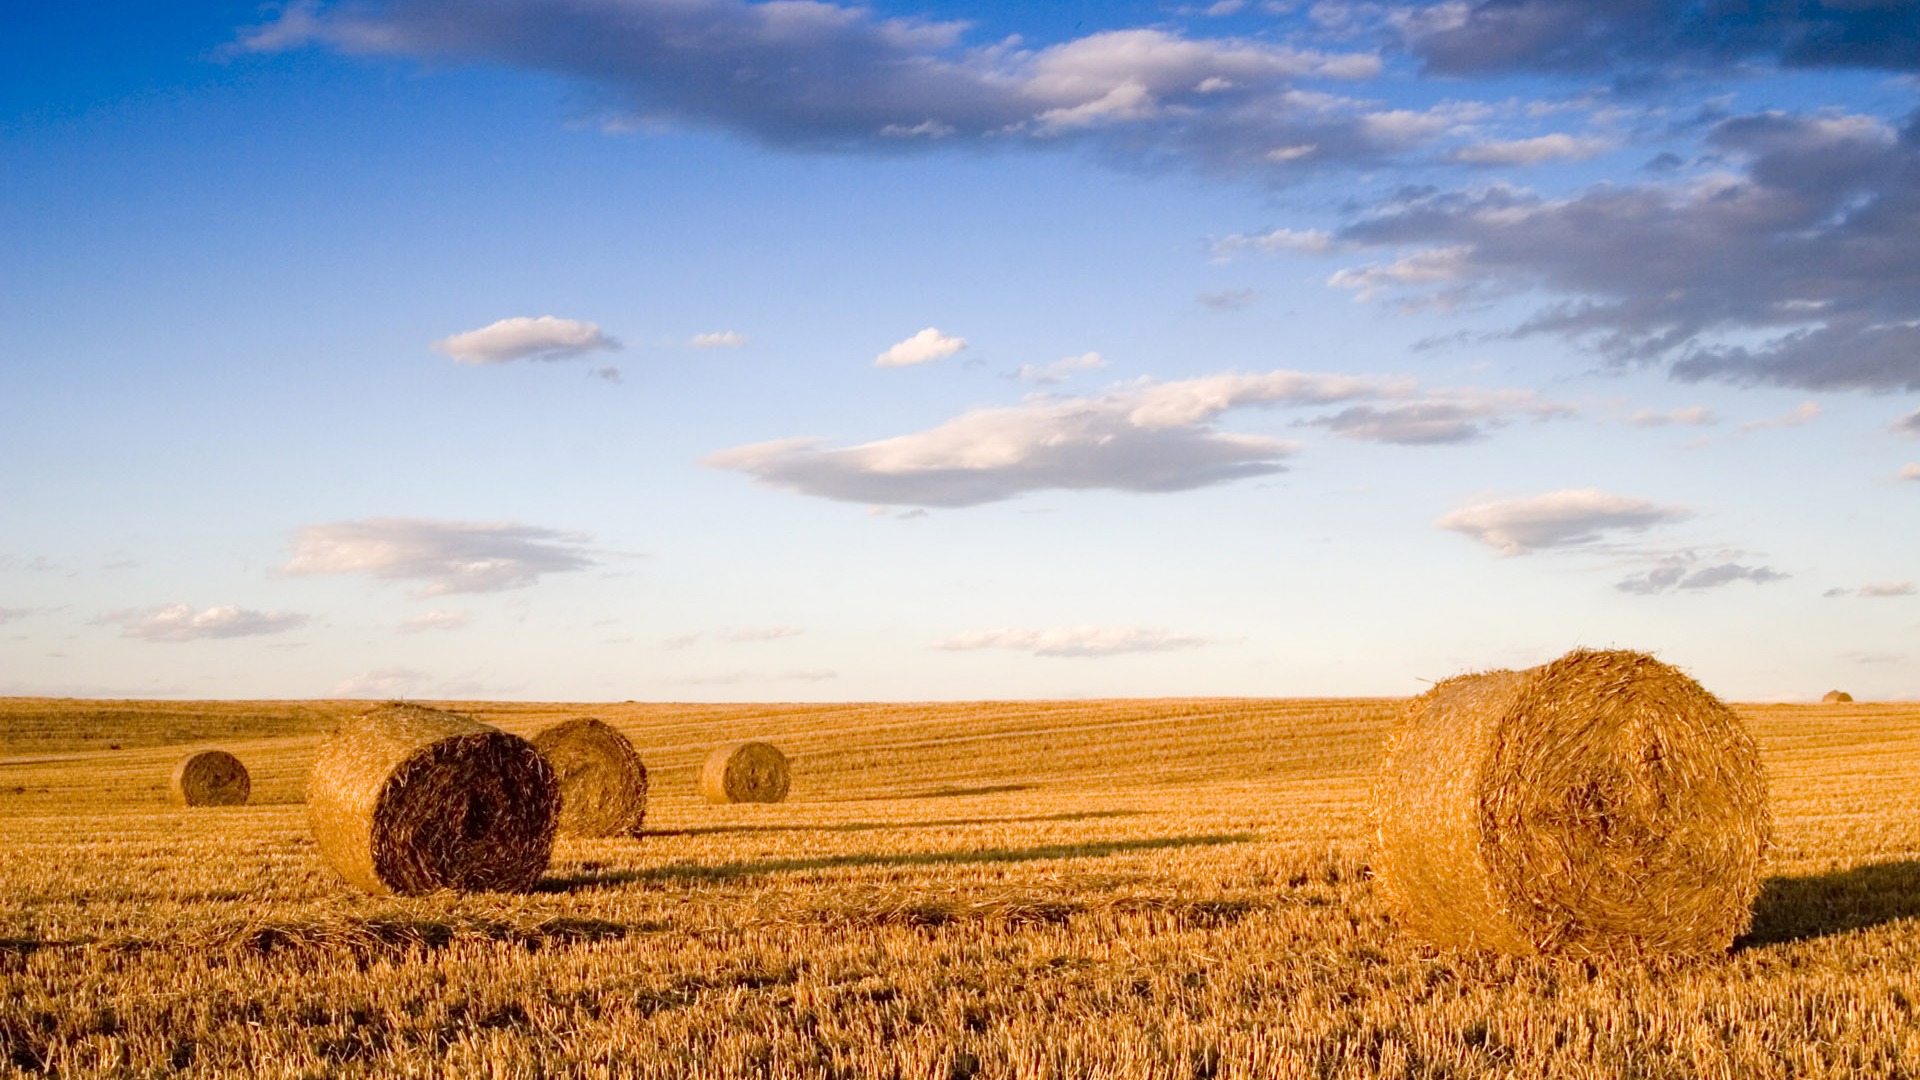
(1167, 888)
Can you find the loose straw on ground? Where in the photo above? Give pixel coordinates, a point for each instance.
(210, 778)
(745, 772)
(407, 799)
(1601, 803)
(603, 783)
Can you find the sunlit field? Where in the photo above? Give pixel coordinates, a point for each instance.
(1168, 888)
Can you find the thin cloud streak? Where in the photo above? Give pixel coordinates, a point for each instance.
(448, 556)
(1074, 641)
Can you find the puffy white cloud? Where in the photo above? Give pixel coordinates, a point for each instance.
(1060, 370)
(1556, 147)
(1563, 518)
(449, 556)
(924, 347)
(180, 622)
(436, 620)
(719, 339)
(1081, 640)
(523, 338)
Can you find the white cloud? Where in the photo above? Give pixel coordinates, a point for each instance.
(1141, 436)
(1074, 640)
(180, 622)
(387, 682)
(1804, 413)
(1910, 471)
(436, 620)
(1532, 151)
(450, 556)
(522, 338)
(924, 347)
(1278, 241)
(719, 339)
(1564, 518)
(1887, 588)
(1691, 416)
(748, 634)
(1060, 370)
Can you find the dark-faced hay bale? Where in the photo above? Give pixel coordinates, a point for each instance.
(210, 778)
(407, 799)
(1602, 803)
(1836, 697)
(745, 772)
(603, 783)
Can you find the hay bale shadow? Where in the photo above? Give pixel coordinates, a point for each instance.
(879, 826)
(1794, 909)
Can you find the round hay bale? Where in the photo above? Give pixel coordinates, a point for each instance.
(210, 778)
(406, 799)
(745, 772)
(603, 783)
(1836, 697)
(1601, 803)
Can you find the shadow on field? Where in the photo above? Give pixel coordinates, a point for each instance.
(875, 826)
(1819, 905)
(730, 871)
(950, 792)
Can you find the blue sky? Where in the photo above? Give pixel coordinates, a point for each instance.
(713, 349)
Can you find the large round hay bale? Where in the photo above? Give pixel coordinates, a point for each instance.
(1836, 697)
(745, 772)
(407, 799)
(210, 778)
(603, 783)
(1601, 803)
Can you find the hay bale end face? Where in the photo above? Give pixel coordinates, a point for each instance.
(603, 782)
(210, 778)
(745, 772)
(1836, 697)
(406, 799)
(1602, 803)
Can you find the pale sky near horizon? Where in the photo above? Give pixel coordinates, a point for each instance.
(729, 350)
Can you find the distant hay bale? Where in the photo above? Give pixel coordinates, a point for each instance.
(210, 778)
(1836, 697)
(603, 782)
(406, 799)
(745, 772)
(1601, 803)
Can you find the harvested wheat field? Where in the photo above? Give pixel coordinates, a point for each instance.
(1161, 888)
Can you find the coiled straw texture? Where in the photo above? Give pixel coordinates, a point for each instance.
(1602, 803)
(603, 782)
(209, 778)
(745, 772)
(406, 799)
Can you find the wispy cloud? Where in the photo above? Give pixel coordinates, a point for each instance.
(1685, 573)
(386, 682)
(180, 622)
(1534, 151)
(1910, 471)
(1804, 413)
(9, 614)
(1691, 416)
(1141, 436)
(719, 339)
(1558, 519)
(523, 338)
(1075, 640)
(1883, 589)
(1060, 370)
(448, 556)
(1227, 299)
(1908, 425)
(436, 620)
(922, 348)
